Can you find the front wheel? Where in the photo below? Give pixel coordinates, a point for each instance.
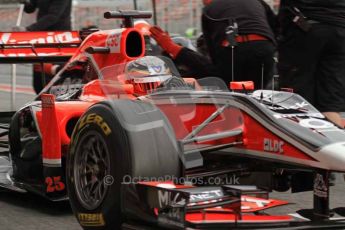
(112, 141)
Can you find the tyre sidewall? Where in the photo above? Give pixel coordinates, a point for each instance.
(110, 208)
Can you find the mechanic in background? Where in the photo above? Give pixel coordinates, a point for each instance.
(240, 39)
(312, 53)
(52, 15)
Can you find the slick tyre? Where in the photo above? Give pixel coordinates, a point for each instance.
(112, 141)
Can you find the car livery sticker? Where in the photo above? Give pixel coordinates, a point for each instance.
(275, 146)
(96, 119)
(114, 42)
(17, 38)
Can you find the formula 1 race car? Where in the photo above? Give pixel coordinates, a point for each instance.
(134, 145)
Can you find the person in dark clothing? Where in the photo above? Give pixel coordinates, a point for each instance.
(52, 15)
(312, 53)
(195, 64)
(248, 54)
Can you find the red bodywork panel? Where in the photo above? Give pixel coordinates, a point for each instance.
(228, 217)
(75, 110)
(116, 41)
(51, 146)
(257, 135)
(59, 117)
(98, 90)
(186, 117)
(242, 85)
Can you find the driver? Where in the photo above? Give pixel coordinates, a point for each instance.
(147, 73)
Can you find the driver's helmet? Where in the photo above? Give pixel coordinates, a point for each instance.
(147, 73)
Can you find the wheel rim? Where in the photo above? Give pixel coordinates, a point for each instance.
(91, 167)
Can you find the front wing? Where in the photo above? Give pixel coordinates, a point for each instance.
(222, 207)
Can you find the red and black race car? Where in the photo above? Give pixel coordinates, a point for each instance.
(134, 145)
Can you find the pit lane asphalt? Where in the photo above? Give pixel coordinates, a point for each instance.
(30, 212)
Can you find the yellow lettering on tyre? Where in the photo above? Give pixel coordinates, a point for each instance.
(91, 219)
(96, 119)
